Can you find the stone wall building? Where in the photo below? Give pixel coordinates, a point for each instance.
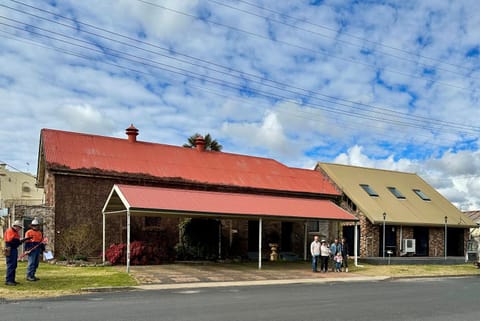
(399, 213)
(78, 172)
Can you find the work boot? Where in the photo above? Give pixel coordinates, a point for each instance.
(11, 283)
(31, 279)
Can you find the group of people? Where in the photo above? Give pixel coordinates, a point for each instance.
(336, 253)
(34, 247)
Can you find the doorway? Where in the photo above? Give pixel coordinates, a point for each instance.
(421, 236)
(390, 240)
(286, 238)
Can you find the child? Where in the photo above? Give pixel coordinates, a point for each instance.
(338, 262)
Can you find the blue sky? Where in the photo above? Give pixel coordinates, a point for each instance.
(384, 84)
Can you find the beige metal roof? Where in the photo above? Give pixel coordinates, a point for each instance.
(412, 210)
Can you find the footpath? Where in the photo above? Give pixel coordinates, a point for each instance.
(184, 276)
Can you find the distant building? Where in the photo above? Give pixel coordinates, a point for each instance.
(19, 196)
(475, 231)
(398, 212)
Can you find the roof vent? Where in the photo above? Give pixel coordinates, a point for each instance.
(200, 143)
(132, 133)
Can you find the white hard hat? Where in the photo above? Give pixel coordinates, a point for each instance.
(18, 223)
(35, 222)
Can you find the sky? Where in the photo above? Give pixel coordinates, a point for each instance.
(384, 84)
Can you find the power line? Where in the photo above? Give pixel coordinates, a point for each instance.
(382, 110)
(302, 47)
(222, 82)
(213, 80)
(347, 124)
(376, 43)
(337, 39)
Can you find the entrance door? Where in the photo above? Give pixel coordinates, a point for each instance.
(253, 236)
(455, 241)
(349, 234)
(390, 240)
(420, 234)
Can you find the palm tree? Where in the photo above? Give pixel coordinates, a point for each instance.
(210, 144)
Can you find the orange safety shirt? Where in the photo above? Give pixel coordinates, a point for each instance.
(36, 236)
(11, 234)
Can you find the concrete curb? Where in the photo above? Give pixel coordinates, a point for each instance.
(198, 285)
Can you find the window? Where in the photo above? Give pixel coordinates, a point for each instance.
(396, 192)
(26, 190)
(368, 189)
(422, 195)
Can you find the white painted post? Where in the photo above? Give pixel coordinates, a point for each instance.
(128, 241)
(103, 238)
(260, 244)
(355, 243)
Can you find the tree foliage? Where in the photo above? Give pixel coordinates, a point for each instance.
(210, 144)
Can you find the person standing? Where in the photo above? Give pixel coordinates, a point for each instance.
(34, 247)
(324, 256)
(338, 262)
(335, 248)
(12, 242)
(345, 254)
(315, 251)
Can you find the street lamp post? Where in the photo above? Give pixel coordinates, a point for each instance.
(383, 250)
(445, 245)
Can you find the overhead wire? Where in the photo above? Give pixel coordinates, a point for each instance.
(222, 82)
(286, 43)
(344, 33)
(346, 125)
(383, 110)
(336, 39)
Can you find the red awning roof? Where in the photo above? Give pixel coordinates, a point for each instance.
(157, 201)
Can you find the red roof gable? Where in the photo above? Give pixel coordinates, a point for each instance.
(76, 151)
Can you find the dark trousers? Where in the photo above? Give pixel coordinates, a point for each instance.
(11, 261)
(324, 263)
(345, 261)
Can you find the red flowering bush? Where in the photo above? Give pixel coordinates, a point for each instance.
(140, 253)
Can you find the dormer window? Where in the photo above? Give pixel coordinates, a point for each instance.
(369, 190)
(396, 192)
(422, 195)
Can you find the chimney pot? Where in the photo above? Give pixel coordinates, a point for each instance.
(132, 133)
(200, 143)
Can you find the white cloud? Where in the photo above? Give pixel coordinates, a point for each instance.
(320, 92)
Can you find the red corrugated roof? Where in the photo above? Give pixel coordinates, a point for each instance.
(141, 199)
(77, 151)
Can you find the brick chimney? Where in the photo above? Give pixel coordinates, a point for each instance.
(132, 133)
(200, 143)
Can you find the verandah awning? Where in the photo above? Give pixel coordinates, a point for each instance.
(158, 201)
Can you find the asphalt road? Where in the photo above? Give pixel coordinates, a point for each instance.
(439, 299)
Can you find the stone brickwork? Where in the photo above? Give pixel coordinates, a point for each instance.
(80, 199)
(46, 216)
(436, 242)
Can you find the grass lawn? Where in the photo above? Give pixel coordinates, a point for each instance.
(382, 270)
(57, 280)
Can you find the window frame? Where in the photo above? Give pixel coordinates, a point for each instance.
(396, 192)
(421, 194)
(369, 190)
